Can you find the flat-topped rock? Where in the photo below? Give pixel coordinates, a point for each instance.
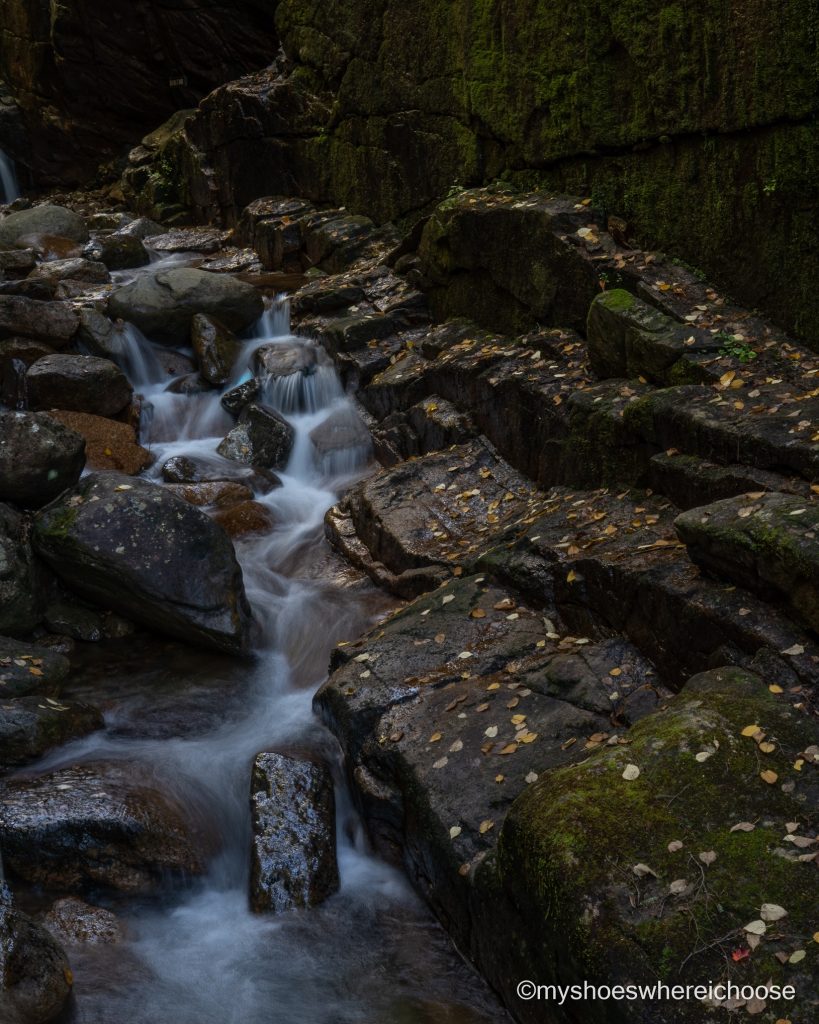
(766, 542)
(77, 383)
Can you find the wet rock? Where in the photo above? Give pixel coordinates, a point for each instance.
(30, 669)
(190, 384)
(39, 458)
(17, 261)
(75, 923)
(766, 542)
(30, 726)
(78, 384)
(281, 360)
(260, 438)
(556, 846)
(16, 355)
(163, 305)
(79, 269)
(185, 469)
(42, 220)
(109, 444)
(98, 334)
(55, 323)
(141, 228)
(341, 441)
(219, 493)
(215, 348)
(95, 825)
(427, 426)
(35, 979)
(19, 579)
(75, 621)
(293, 857)
(469, 683)
(198, 239)
(237, 398)
(130, 546)
(245, 518)
(117, 251)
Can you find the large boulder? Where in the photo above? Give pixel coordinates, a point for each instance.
(688, 849)
(29, 726)
(39, 458)
(767, 542)
(293, 856)
(102, 824)
(261, 438)
(52, 322)
(35, 980)
(163, 305)
(77, 383)
(130, 546)
(19, 604)
(42, 220)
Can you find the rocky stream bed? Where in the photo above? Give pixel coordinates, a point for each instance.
(342, 568)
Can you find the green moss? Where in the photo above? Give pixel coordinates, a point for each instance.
(57, 523)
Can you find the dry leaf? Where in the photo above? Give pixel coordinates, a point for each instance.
(485, 826)
(769, 777)
(631, 772)
(757, 927)
(772, 912)
(674, 845)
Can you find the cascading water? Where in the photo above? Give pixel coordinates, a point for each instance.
(371, 952)
(8, 180)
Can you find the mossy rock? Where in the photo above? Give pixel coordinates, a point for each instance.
(571, 843)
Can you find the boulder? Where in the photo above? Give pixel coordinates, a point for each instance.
(197, 239)
(245, 518)
(215, 348)
(281, 360)
(293, 856)
(75, 923)
(79, 269)
(55, 323)
(130, 546)
(109, 444)
(29, 669)
(19, 581)
(35, 979)
(16, 355)
(620, 868)
(237, 398)
(17, 261)
(42, 220)
(117, 251)
(163, 305)
(766, 542)
(342, 432)
(30, 726)
(260, 438)
(78, 384)
(98, 334)
(100, 824)
(141, 228)
(220, 493)
(190, 384)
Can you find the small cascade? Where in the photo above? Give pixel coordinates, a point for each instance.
(9, 190)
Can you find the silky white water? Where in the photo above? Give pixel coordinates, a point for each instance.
(8, 180)
(371, 954)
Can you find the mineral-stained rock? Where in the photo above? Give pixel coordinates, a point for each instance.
(42, 220)
(130, 546)
(215, 348)
(261, 438)
(101, 824)
(109, 444)
(766, 542)
(293, 857)
(76, 923)
(77, 383)
(35, 980)
(163, 305)
(29, 726)
(220, 493)
(28, 669)
(20, 609)
(245, 518)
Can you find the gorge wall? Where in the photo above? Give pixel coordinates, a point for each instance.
(81, 81)
(694, 122)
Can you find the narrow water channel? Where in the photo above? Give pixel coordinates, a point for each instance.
(369, 955)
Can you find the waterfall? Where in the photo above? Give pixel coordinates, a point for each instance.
(8, 180)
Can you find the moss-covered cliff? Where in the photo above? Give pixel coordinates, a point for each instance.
(696, 121)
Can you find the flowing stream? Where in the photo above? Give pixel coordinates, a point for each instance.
(8, 180)
(371, 954)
